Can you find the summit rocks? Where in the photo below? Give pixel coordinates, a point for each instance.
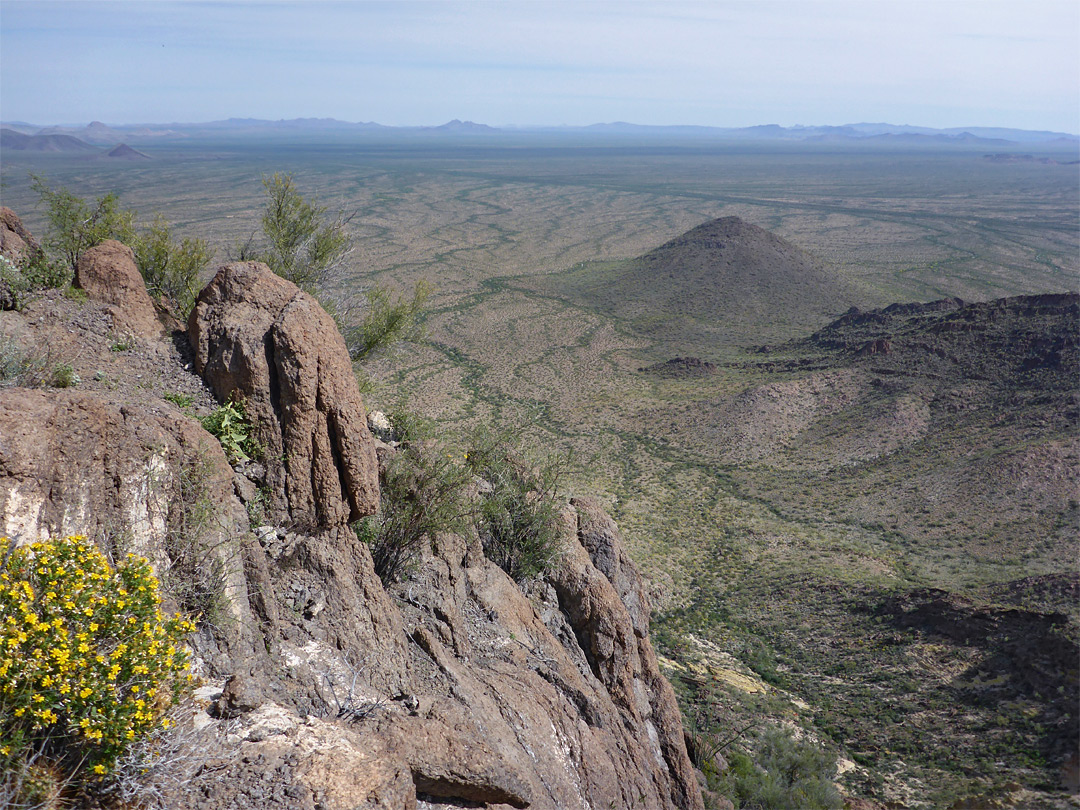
(259, 336)
(108, 273)
(321, 686)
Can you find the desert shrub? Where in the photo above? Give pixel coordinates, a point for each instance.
(41, 271)
(229, 423)
(423, 493)
(199, 556)
(64, 376)
(518, 513)
(76, 225)
(88, 662)
(387, 319)
(23, 368)
(784, 772)
(170, 269)
(181, 401)
(305, 246)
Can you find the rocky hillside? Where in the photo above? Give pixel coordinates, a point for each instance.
(948, 422)
(318, 686)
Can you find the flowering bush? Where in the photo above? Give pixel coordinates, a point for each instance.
(88, 663)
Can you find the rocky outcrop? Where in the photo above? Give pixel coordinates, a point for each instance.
(130, 478)
(16, 243)
(259, 336)
(681, 367)
(108, 273)
(549, 698)
(321, 687)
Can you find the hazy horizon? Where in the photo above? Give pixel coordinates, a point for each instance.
(516, 64)
(510, 127)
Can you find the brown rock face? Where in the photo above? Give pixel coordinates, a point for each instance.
(259, 336)
(108, 273)
(492, 698)
(76, 463)
(601, 592)
(454, 688)
(16, 243)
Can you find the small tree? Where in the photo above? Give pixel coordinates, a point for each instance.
(305, 247)
(170, 269)
(75, 225)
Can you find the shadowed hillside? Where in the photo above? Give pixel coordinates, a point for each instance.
(951, 424)
(10, 139)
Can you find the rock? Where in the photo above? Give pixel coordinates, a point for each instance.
(72, 462)
(16, 243)
(609, 615)
(9, 299)
(874, 347)
(108, 273)
(380, 427)
(259, 336)
(242, 693)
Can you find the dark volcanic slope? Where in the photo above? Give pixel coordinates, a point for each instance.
(125, 152)
(952, 424)
(726, 282)
(10, 139)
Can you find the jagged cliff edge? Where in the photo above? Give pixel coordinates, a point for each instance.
(322, 689)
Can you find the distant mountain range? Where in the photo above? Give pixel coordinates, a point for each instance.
(100, 134)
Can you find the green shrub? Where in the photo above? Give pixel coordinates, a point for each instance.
(75, 225)
(20, 367)
(170, 269)
(519, 508)
(305, 247)
(423, 491)
(181, 401)
(230, 425)
(784, 773)
(41, 271)
(387, 320)
(64, 376)
(88, 663)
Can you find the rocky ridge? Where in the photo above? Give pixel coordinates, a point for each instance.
(320, 687)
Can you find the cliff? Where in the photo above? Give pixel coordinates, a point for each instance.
(318, 686)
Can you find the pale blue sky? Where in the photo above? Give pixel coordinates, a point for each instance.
(941, 63)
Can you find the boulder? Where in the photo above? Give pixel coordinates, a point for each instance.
(16, 243)
(108, 273)
(258, 336)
